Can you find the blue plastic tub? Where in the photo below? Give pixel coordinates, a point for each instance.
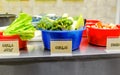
(74, 35)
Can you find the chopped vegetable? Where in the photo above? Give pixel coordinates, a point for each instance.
(21, 26)
(78, 24)
(100, 25)
(45, 23)
(62, 23)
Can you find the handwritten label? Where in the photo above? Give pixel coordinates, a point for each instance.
(9, 47)
(61, 47)
(113, 44)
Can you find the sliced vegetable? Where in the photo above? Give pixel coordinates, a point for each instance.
(21, 26)
(62, 23)
(100, 25)
(45, 23)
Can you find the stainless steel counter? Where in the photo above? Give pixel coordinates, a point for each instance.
(35, 52)
(87, 60)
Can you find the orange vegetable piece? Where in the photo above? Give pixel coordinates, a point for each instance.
(99, 24)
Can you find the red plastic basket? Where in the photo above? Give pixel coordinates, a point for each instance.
(89, 22)
(99, 36)
(22, 44)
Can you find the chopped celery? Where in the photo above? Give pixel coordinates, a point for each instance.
(21, 26)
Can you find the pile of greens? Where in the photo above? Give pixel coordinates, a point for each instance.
(21, 26)
(61, 23)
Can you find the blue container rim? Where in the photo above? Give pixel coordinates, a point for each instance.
(64, 30)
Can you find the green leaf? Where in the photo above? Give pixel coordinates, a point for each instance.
(79, 23)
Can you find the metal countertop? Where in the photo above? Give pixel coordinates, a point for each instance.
(35, 52)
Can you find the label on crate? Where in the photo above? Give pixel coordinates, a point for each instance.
(113, 44)
(61, 47)
(9, 48)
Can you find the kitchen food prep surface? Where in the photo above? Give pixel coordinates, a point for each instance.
(35, 52)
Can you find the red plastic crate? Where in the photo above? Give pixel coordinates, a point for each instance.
(99, 36)
(89, 22)
(22, 44)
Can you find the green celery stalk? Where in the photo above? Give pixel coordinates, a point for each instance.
(21, 26)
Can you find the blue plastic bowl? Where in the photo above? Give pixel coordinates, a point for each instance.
(74, 35)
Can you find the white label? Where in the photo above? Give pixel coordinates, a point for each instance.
(113, 44)
(9, 48)
(61, 47)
